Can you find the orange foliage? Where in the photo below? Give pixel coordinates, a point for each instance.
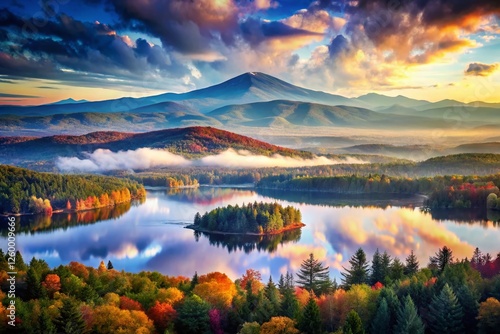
(279, 325)
(377, 286)
(78, 270)
(52, 283)
(302, 296)
(110, 319)
(129, 304)
(253, 276)
(217, 289)
(163, 315)
(431, 282)
(334, 308)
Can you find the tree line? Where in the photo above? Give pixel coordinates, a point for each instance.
(260, 218)
(385, 295)
(26, 191)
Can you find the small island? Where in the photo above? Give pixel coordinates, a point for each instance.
(253, 219)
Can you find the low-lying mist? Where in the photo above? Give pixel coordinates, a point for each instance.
(102, 160)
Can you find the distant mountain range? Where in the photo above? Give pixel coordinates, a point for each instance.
(249, 100)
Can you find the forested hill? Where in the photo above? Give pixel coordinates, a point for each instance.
(190, 142)
(26, 191)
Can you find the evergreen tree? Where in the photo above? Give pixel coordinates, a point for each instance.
(386, 266)
(192, 316)
(20, 265)
(110, 265)
(353, 324)
(377, 272)
(34, 286)
(393, 304)
(45, 323)
(442, 258)
(411, 265)
(313, 276)
(445, 313)
(396, 270)
(470, 308)
(408, 321)
(310, 320)
(70, 319)
(382, 320)
(194, 281)
(358, 274)
(272, 294)
(289, 304)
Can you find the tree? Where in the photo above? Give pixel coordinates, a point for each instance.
(489, 316)
(163, 315)
(110, 265)
(310, 320)
(382, 320)
(445, 312)
(70, 319)
(52, 283)
(470, 307)
(353, 324)
(250, 328)
(313, 275)
(358, 274)
(377, 273)
(192, 316)
(411, 265)
(408, 321)
(279, 325)
(491, 201)
(45, 323)
(442, 258)
(33, 284)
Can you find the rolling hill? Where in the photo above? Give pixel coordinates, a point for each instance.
(189, 142)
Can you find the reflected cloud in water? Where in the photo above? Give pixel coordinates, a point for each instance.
(151, 236)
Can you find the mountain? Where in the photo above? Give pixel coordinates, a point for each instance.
(190, 142)
(245, 88)
(376, 101)
(69, 101)
(489, 147)
(293, 113)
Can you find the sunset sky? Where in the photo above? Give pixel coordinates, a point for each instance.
(101, 49)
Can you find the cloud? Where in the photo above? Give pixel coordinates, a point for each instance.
(479, 69)
(18, 95)
(105, 160)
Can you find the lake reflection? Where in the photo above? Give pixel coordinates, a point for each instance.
(151, 236)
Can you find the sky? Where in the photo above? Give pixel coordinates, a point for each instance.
(100, 49)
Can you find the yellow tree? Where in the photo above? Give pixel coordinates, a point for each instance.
(279, 325)
(489, 316)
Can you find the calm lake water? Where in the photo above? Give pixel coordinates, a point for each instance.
(151, 235)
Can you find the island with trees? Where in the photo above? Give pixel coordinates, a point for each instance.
(253, 218)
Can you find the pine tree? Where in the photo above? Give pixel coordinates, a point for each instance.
(445, 313)
(110, 265)
(70, 319)
(397, 269)
(358, 274)
(353, 324)
(442, 258)
(470, 308)
(393, 304)
(194, 281)
(310, 320)
(45, 324)
(408, 321)
(192, 316)
(386, 265)
(289, 304)
(313, 276)
(34, 286)
(382, 320)
(377, 274)
(272, 293)
(20, 265)
(411, 265)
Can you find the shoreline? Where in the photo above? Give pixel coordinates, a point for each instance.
(289, 228)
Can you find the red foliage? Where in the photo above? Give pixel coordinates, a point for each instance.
(79, 270)
(52, 283)
(215, 321)
(162, 314)
(250, 275)
(431, 282)
(129, 304)
(377, 286)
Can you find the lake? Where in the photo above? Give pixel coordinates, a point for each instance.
(151, 235)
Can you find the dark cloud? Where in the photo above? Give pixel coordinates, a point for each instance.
(18, 96)
(338, 45)
(79, 52)
(479, 69)
(46, 87)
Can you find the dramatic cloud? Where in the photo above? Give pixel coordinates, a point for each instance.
(479, 69)
(143, 158)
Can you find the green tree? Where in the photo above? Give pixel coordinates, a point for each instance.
(491, 201)
(20, 265)
(45, 324)
(442, 258)
(396, 270)
(382, 320)
(192, 316)
(358, 273)
(70, 319)
(310, 320)
(411, 265)
(272, 294)
(408, 321)
(353, 324)
(470, 307)
(313, 275)
(250, 328)
(377, 272)
(110, 265)
(33, 284)
(445, 313)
